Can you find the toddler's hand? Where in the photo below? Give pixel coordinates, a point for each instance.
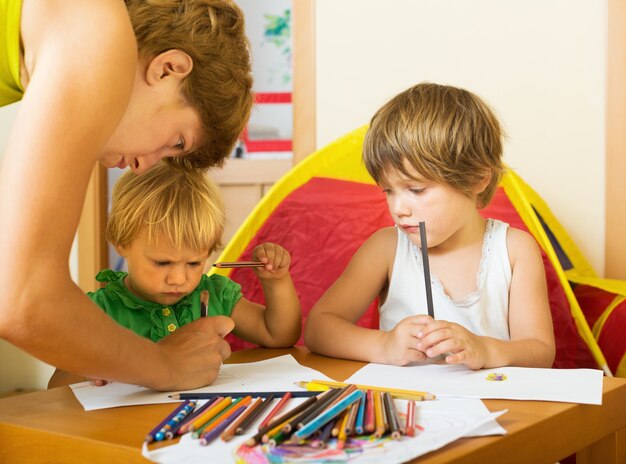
(276, 259)
(98, 382)
(401, 344)
(455, 342)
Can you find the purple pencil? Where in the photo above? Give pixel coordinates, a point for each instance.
(150, 437)
(216, 432)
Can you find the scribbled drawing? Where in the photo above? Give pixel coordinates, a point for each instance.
(224, 376)
(496, 377)
(277, 32)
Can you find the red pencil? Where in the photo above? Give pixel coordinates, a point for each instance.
(410, 419)
(281, 404)
(370, 416)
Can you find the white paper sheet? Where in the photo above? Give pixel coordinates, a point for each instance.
(443, 421)
(276, 374)
(565, 385)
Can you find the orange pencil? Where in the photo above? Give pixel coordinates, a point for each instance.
(209, 414)
(225, 415)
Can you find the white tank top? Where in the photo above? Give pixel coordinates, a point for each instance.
(483, 312)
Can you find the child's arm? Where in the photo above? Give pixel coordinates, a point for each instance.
(279, 323)
(331, 326)
(530, 321)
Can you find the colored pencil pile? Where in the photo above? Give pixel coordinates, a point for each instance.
(339, 412)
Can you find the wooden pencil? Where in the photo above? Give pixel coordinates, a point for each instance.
(210, 413)
(319, 406)
(396, 392)
(279, 406)
(350, 424)
(150, 437)
(248, 421)
(326, 416)
(410, 419)
(370, 412)
(230, 432)
(236, 264)
(379, 431)
(211, 435)
(427, 283)
(209, 395)
(360, 417)
(204, 303)
(342, 436)
(215, 421)
(392, 419)
(184, 426)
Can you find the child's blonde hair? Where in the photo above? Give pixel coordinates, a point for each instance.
(174, 203)
(219, 86)
(448, 135)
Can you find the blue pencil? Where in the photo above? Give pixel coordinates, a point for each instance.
(209, 395)
(360, 417)
(184, 412)
(150, 437)
(327, 415)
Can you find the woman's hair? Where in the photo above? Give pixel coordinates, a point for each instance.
(448, 135)
(174, 203)
(219, 86)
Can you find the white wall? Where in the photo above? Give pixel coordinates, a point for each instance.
(539, 63)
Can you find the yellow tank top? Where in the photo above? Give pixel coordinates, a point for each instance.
(10, 87)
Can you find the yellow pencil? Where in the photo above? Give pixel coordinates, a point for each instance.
(210, 414)
(379, 413)
(395, 392)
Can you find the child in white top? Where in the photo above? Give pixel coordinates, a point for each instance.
(436, 152)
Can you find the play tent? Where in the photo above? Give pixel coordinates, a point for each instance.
(328, 205)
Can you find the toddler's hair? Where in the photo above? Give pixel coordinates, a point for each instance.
(174, 203)
(219, 86)
(448, 135)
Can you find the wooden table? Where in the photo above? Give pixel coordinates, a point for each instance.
(51, 426)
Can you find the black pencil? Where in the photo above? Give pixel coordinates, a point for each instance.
(236, 264)
(248, 421)
(208, 396)
(429, 290)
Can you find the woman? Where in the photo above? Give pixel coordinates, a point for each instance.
(123, 84)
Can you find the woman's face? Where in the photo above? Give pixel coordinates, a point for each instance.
(145, 137)
(158, 122)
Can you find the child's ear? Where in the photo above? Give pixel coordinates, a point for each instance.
(482, 184)
(170, 64)
(120, 250)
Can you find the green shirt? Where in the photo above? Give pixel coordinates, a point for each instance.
(155, 321)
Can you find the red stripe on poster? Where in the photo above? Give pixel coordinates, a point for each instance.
(268, 145)
(272, 97)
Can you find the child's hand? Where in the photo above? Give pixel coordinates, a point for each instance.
(455, 342)
(98, 382)
(276, 259)
(401, 344)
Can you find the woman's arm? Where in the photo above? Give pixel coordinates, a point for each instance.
(81, 60)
